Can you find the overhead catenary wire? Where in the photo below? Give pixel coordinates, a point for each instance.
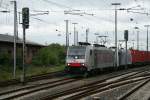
(74, 13)
(41, 20)
(61, 6)
(57, 4)
(86, 18)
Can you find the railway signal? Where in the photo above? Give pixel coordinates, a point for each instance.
(126, 35)
(25, 17)
(25, 23)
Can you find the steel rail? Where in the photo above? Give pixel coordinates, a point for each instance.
(82, 88)
(35, 89)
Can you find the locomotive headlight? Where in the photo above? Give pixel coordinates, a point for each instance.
(68, 64)
(83, 64)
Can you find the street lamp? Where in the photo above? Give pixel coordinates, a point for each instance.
(116, 49)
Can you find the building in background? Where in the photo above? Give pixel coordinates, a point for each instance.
(7, 46)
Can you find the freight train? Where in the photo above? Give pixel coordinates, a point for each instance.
(87, 58)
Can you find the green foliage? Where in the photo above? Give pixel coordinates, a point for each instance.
(5, 58)
(54, 54)
(19, 57)
(30, 71)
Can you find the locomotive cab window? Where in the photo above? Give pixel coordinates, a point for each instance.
(76, 52)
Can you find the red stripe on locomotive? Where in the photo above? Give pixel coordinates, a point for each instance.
(74, 64)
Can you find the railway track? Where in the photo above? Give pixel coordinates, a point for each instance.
(34, 88)
(31, 78)
(11, 94)
(102, 85)
(131, 91)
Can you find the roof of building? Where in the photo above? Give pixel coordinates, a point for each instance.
(10, 38)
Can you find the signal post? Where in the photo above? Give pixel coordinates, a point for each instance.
(25, 25)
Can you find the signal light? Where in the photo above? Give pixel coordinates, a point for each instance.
(126, 35)
(25, 17)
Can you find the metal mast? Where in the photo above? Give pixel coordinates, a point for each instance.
(116, 49)
(15, 34)
(87, 32)
(67, 34)
(75, 35)
(147, 26)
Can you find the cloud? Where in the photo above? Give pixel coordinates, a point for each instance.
(43, 27)
(6, 29)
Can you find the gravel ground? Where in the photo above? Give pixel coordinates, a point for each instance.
(65, 87)
(43, 93)
(13, 87)
(111, 94)
(142, 94)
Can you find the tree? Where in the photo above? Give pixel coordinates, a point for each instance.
(54, 54)
(5, 58)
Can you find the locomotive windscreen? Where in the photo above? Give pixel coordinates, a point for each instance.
(76, 52)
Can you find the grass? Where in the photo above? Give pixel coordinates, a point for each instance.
(33, 70)
(6, 73)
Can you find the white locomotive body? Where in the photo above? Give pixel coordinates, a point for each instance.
(87, 58)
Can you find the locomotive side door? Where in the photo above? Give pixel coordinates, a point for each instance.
(95, 58)
(92, 58)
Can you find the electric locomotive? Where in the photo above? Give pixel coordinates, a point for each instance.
(87, 58)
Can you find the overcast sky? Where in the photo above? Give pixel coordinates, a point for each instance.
(43, 27)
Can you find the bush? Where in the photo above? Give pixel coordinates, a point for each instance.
(19, 58)
(51, 55)
(5, 59)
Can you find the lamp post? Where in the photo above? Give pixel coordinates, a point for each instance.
(116, 49)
